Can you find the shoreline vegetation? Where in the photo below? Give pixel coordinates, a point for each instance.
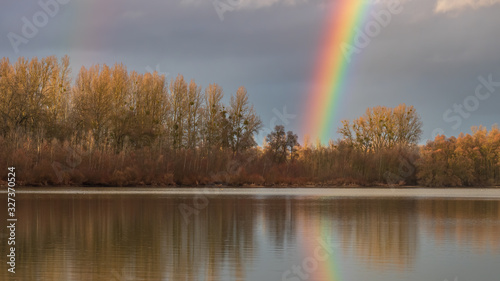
(461, 193)
(112, 127)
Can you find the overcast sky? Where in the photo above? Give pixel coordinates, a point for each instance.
(431, 55)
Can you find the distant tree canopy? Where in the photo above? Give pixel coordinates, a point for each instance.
(282, 146)
(34, 95)
(382, 127)
(109, 106)
(469, 159)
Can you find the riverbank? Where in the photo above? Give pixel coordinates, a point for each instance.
(335, 185)
(418, 192)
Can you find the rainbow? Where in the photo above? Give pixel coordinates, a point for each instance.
(319, 235)
(329, 80)
(85, 37)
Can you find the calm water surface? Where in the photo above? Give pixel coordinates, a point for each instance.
(253, 237)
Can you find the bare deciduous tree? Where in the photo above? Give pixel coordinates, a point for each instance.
(243, 122)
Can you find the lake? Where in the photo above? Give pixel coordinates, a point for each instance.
(255, 234)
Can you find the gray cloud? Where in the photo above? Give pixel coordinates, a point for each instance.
(424, 57)
(444, 6)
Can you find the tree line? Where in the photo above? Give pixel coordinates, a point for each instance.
(466, 160)
(117, 127)
(109, 107)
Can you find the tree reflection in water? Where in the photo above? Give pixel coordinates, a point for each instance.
(104, 237)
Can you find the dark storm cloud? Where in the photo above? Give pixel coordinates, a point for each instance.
(426, 58)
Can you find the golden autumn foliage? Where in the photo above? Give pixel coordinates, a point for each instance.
(114, 127)
(382, 127)
(466, 160)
